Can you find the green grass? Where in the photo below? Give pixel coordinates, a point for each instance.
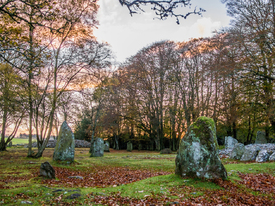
(20, 141)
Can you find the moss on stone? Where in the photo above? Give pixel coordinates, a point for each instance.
(197, 154)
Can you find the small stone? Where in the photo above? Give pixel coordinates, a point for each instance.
(58, 190)
(73, 196)
(46, 170)
(76, 177)
(166, 151)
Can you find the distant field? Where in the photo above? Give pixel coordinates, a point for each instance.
(20, 141)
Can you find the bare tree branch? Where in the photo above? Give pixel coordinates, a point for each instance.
(162, 8)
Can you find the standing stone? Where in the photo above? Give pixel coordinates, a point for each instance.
(97, 147)
(65, 145)
(10, 144)
(260, 138)
(230, 142)
(129, 146)
(197, 155)
(237, 151)
(263, 156)
(46, 170)
(106, 146)
(250, 152)
(272, 157)
(139, 147)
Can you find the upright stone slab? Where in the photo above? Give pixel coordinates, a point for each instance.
(230, 142)
(139, 147)
(198, 155)
(129, 146)
(65, 145)
(260, 138)
(237, 151)
(97, 147)
(106, 146)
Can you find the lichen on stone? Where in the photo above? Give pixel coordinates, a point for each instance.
(65, 145)
(197, 155)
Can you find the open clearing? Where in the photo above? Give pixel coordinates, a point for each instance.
(129, 178)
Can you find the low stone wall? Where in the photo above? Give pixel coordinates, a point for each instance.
(78, 144)
(251, 152)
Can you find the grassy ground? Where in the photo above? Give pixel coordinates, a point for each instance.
(128, 178)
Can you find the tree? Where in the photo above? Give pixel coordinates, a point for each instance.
(162, 8)
(13, 108)
(254, 24)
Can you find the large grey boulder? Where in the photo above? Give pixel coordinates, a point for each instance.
(97, 147)
(260, 138)
(263, 156)
(46, 170)
(230, 142)
(250, 152)
(272, 157)
(65, 145)
(237, 151)
(129, 146)
(198, 155)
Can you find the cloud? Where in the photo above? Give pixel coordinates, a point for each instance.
(127, 35)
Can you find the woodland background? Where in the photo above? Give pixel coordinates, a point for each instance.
(53, 69)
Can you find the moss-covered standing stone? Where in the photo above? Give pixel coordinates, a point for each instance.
(65, 145)
(129, 146)
(198, 155)
(97, 147)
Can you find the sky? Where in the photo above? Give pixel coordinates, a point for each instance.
(128, 34)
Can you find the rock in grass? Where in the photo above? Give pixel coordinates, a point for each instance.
(237, 151)
(198, 155)
(166, 151)
(65, 145)
(74, 196)
(46, 170)
(97, 147)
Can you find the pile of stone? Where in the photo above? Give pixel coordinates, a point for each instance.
(261, 151)
(254, 152)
